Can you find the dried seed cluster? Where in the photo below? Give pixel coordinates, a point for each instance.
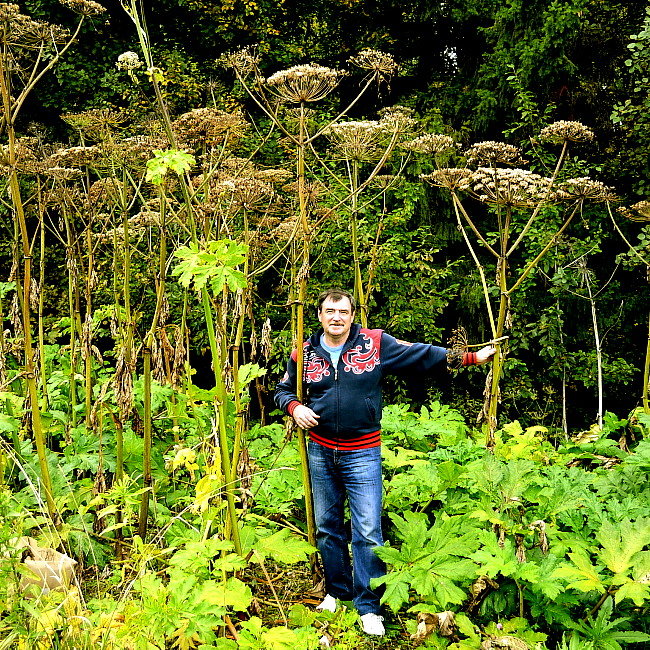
(563, 130)
(84, 7)
(357, 140)
(585, 188)
(378, 62)
(398, 118)
(493, 153)
(209, 126)
(451, 178)
(430, 143)
(511, 187)
(244, 61)
(304, 83)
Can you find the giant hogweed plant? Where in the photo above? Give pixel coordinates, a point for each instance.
(518, 200)
(30, 49)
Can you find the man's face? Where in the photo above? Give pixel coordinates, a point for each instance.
(336, 319)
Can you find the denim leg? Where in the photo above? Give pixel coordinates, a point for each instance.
(331, 537)
(361, 473)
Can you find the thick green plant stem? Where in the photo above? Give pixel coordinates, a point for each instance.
(359, 293)
(146, 455)
(41, 326)
(28, 350)
(299, 336)
(220, 402)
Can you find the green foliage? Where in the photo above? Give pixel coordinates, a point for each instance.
(213, 267)
(165, 160)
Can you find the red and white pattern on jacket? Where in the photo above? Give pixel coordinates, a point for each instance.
(315, 367)
(364, 357)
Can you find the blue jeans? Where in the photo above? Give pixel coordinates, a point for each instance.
(356, 475)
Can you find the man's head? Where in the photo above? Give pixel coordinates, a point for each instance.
(336, 309)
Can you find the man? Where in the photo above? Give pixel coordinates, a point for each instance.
(343, 368)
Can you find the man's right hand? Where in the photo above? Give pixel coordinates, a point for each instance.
(304, 417)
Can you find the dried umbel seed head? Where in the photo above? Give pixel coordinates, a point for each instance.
(493, 153)
(430, 143)
(129, 61)
(510, 187)
(276, 176)
(358, 140)
(642, 208)
(63, 173)
(244, 61)
(398, 119)
(209, 126)
(562, 131)
(106, 191)
(247, 193)
(586, 189)
(381, 64)
(386, 181)
(451, 178)
(75, 157)
(8, 11)
(25, 158)
(22, 31)
(96, 124)
(304, 83)
(84, 7)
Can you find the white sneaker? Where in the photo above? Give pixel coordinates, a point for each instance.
(328, 604)
(372, 624)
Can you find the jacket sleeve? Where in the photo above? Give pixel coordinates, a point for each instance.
(399, 356)
(285, 392)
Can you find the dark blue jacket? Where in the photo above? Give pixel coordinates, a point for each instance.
(348, 398)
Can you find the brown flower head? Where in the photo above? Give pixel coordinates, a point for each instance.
(244, 61)
(642, 208)
(386, 181)
(398, 119)
(106, 191)
(84, 7)
(25, 158)
(563, 130)
(75, 157)
(63, 173)
(358, 140)
(493, 153)
(586, 189)
(24, 32)
(510, 187)
(96, 124)
(247, 193)
(275, 176)
(209, 126)
(451, 178)
(430, 143)
(378, 63)
(304, 83)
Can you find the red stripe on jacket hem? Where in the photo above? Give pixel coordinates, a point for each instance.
(366, 441)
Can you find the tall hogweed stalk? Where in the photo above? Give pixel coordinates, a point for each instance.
(520, 204)
(639, 212)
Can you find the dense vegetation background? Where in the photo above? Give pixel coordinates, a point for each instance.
(476, 70)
